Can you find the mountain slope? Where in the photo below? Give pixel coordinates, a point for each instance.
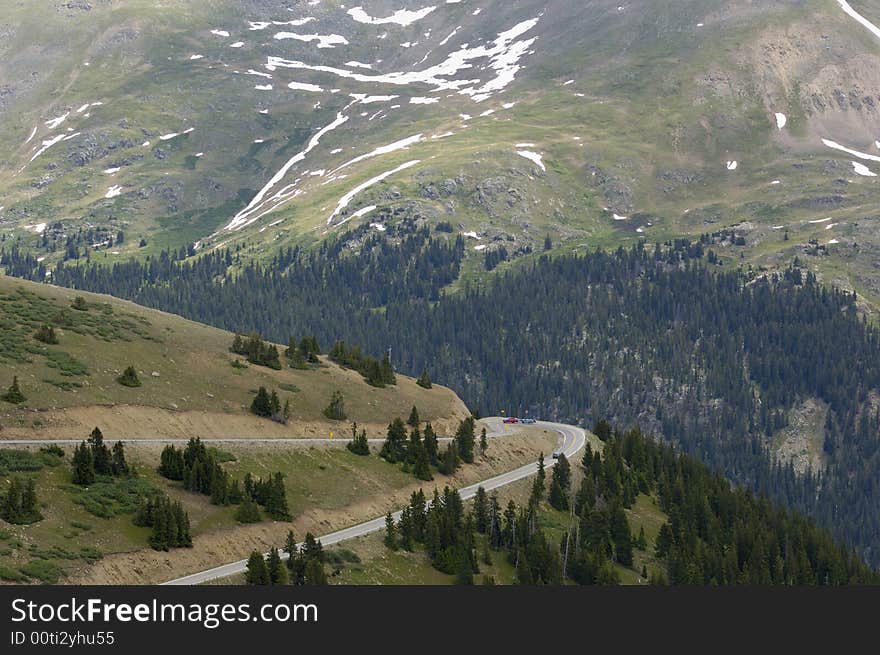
(597, 122)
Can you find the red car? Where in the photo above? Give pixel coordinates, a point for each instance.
(511, 419)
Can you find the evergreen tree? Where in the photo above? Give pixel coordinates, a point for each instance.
(257, 573)
(335, 411)
(83, 465)
(290, 547)
(621, 536)
(13, 394)
(413, 420)
(560, 484)
(449, 463)
(481, 511)
(464, 438)
(424, 380)
(484, 442)
(101, 459)
(359, 444)
(390, 540)
(276, 570)
(262, 403)
(432, 447)
(19, 505)
(394, 448)
(118, 465)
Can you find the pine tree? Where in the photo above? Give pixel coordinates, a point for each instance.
(464, 438)
(13, 394)
(390, 540)
(19, 506)
(276, 502)
(83, 465)
(560, 484)
(257, 573)
(101, 459)
(406, 529)
(262, 403)
(424, 379)
(481, 511)
(449, 463)
(386, 371)
(358, 444)
(432, 447)
(413, 420)
(484, 442)
(290, 547)
(276, 570)
(335, 411)
(422, 467)
(621, 536)
(118, 465)
(393, 450)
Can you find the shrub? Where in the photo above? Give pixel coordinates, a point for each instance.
(46, 334)
(129, 378)
(42, 570)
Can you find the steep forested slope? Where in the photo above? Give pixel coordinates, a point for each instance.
(712, 359)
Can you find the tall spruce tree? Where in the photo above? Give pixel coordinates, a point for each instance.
(101, 459)
(257, 573)
(83, 465)
(464, 438)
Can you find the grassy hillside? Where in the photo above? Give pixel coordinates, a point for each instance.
(189, 385)
(87, 534)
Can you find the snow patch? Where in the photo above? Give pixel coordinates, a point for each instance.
(781, 120)
(732, 165)
(382, 150)
(113, 191)
(423, 101)
(324, 40)
(302, 86)
(111, 171)
(343, 202)
(244, 217)
(222, 33)
(55, 122)
(534, 157)
(847, 8)
(850, 151)
(400, 17)
(861, 169)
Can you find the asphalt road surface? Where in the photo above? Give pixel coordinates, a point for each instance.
(571, 440)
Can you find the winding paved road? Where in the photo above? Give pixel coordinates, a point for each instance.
(571, 440)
